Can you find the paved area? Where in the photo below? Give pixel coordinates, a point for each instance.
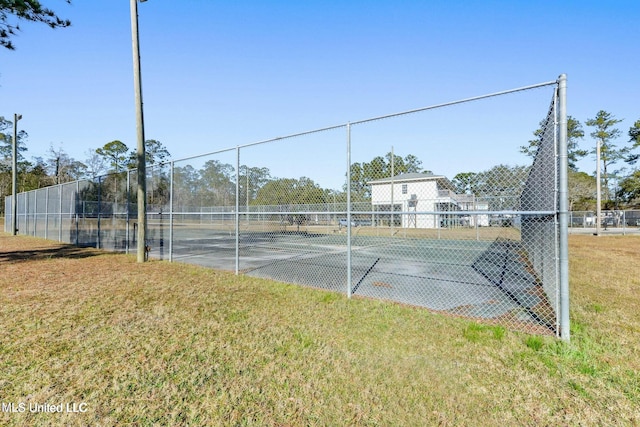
(471, 278)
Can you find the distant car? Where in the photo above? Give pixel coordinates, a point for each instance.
(355, 222)
(465, 220)
(500, 221)
(633, 222)
(608, 222)
(343, 222)
(577, 221)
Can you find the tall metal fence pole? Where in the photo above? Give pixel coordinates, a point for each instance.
(171, 212)
(14, 176)
(349, 278)
(75, 211)
(60, 213)
(35, 213)
(127, 228)
(563, 206)
(392, 184)
(25, 214)
(246, 169)
(46, 214)
(100, 213)
(237, 216)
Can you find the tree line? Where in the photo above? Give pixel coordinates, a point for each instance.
(58, 167)
(620, 177)
(214, 183)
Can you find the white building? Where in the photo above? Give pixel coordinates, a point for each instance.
(433, 195)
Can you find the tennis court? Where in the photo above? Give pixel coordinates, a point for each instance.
(490, 245)
(477, 279)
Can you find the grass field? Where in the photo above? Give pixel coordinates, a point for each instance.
(172, 344)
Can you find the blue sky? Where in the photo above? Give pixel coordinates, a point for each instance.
(220, 74)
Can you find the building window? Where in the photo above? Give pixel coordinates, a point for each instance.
(404, 188)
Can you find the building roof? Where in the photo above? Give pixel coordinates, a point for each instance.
(406, 177)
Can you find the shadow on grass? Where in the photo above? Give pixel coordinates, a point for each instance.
(63, 251)
(506, 264)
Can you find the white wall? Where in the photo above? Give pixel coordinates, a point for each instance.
(428, 197)
(381, 193)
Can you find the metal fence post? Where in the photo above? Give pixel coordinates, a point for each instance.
(75, 212)
(237, 216)
(59, 213)
(26, 214)
(393, 208)
(35, 213)
(246, 168)
(46, 214)
(14, 176)
(171, 213)
(127, 235)
(100, 212)
(563, 205)
(349, 278)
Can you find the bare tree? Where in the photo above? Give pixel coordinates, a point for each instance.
(95, 163)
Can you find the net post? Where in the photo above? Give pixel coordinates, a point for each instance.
(563, 204)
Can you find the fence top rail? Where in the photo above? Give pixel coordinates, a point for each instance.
(460, 101)
(402, 113)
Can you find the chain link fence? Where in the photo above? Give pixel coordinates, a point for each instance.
(352, 208)
(612, 221)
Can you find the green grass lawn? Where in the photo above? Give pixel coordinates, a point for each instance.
(172, 344)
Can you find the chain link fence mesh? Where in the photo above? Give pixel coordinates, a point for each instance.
(330, 209)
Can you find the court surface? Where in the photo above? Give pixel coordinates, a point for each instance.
(478, 279)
